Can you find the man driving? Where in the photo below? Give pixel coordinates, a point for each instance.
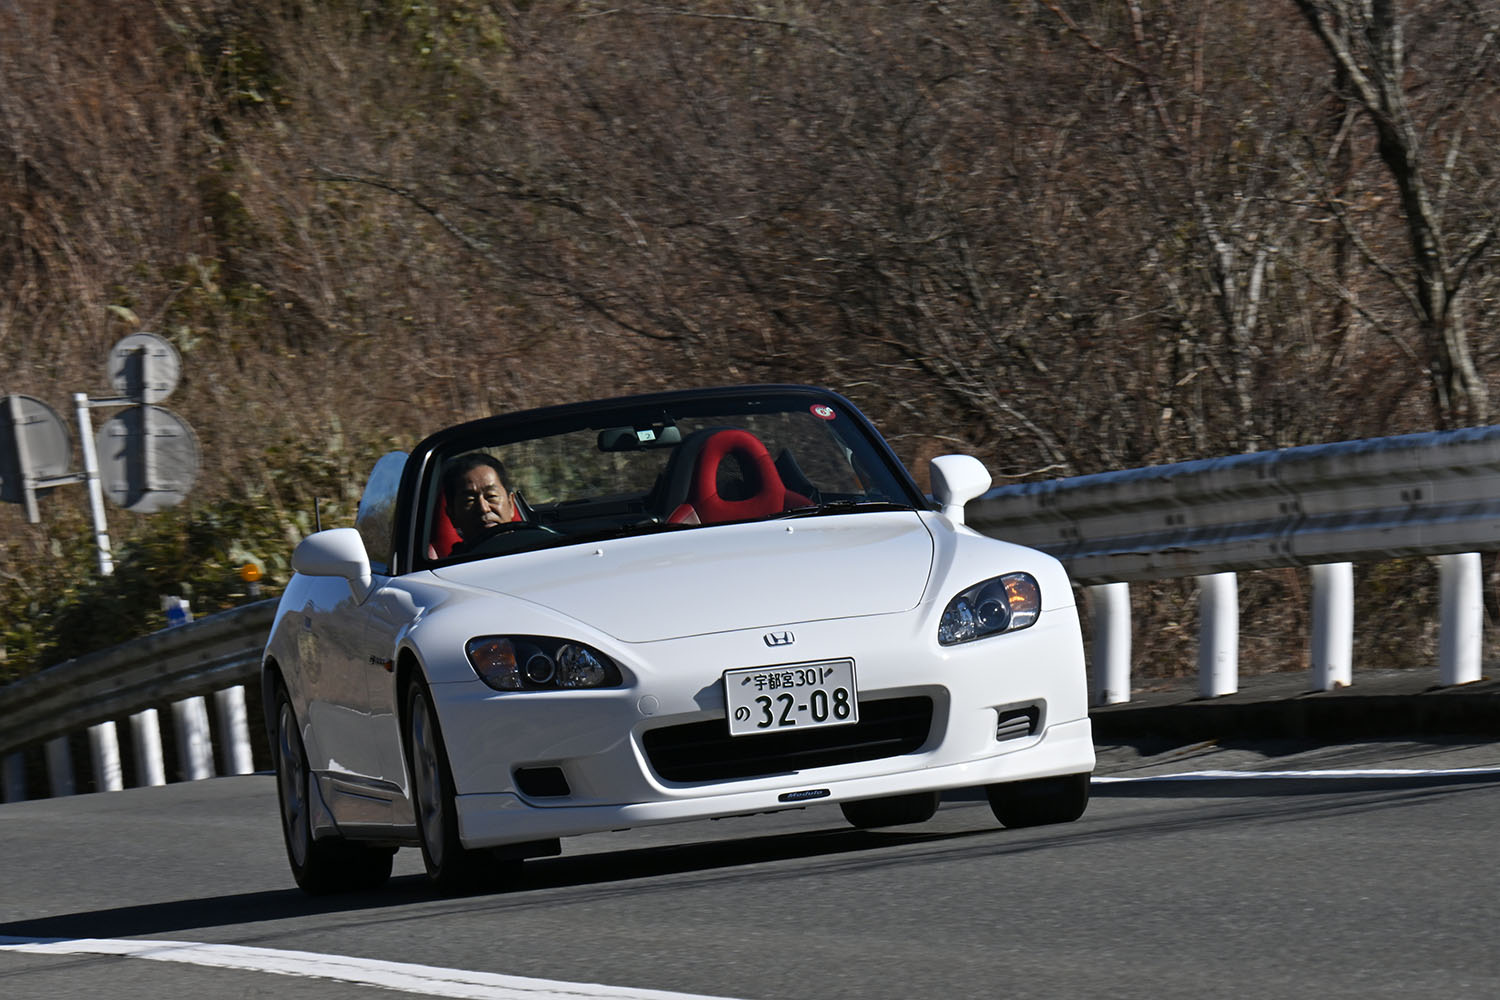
(478, 499)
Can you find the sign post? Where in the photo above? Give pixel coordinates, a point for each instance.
(91, 476)
(144, 458)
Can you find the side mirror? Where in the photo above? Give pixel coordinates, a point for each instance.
(336, 552)
(957, 479)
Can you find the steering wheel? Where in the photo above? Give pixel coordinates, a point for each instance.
(493, 540)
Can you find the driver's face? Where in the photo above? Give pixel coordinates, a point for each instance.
(482, 502)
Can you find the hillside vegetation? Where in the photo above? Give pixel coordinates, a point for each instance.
(1066, 236)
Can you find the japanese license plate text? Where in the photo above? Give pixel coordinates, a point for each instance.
(801, 695)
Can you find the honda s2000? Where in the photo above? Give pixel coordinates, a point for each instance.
(661, 608)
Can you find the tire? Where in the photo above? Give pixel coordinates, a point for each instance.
(320, 865)
(1041, 801)
(895, 810)
(450, 866)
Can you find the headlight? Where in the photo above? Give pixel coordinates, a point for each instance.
(537, 663)
(1005, 604)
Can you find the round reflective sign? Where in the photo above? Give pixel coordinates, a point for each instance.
(148, 458)
(144, 367)
(28, 424)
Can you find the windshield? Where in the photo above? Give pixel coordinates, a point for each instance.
(609, 473)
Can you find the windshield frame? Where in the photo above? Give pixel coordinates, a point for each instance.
(419, 480)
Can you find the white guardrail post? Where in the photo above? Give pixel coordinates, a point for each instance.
(1219, 635)
(104, 748)
(234, 731)
(194, 746)
(1332, 646)
(1109, 605)
(145, 738)
(1460, 579)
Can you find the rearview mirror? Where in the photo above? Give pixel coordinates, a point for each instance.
(637, 438)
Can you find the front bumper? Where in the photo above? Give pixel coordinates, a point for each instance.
(607, 776)
(503, 818)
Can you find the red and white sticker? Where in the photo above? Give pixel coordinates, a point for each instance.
(823, 411)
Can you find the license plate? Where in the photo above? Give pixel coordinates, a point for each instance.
(793, 696)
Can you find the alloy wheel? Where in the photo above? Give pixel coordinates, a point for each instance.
(292, 778)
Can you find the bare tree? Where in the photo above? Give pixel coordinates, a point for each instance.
(1207, 101)
(1432, 109)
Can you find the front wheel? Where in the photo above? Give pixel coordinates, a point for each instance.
(449, 864)
(326, 865)
(893, 810)
(1041, 801)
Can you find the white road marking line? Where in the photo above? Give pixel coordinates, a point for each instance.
(426, 980)
(1388, 772)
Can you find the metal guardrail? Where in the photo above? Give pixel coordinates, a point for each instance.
(176, 667)
(1384, 498)
(1317, 506)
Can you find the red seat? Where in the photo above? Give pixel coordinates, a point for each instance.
(444, 535)
(764, 492)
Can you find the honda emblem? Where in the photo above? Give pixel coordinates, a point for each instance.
(779, 638)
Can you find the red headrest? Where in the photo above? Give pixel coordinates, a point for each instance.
(444, 535)
(769, 495)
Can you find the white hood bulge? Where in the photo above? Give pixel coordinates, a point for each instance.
(721, 578)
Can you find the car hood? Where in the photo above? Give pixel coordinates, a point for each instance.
(721, 578)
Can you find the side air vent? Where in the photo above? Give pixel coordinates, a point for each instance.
(1015, 723)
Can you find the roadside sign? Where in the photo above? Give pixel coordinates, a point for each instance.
(148, 458)
(144, 367)
(34, 445)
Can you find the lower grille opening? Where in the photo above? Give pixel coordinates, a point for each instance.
(1015, 723)
(542, 782)
(704, 751)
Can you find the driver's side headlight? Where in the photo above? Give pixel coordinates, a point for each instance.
(538, 663)
(1004, 604)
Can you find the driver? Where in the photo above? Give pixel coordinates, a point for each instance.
(478, 499)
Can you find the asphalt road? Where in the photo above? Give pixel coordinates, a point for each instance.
(1353, 886)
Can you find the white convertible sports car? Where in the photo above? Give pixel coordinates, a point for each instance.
(661, 608)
